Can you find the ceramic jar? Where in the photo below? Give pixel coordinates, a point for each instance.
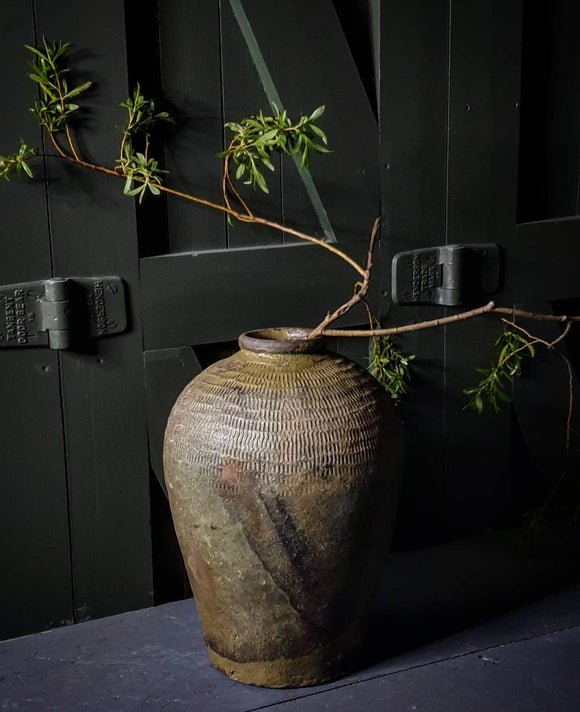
(281, 464)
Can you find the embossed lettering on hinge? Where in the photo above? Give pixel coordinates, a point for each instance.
(449, 275)
(61, 313)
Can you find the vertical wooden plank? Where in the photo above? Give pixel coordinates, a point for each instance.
(144, 69)
(483, 119)
(485, 47)
(563, 137)
(244, 95)
(532, 193)
(413, 119)
(550, 134)
(358, 19)
(191, 75)
(36, 590)
(93, 228)
(309, 73)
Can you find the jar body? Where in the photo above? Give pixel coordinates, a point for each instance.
(281, 471)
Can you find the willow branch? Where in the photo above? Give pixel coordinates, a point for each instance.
(368, 333)
(462, 316)
(54, 142)
(361, 287)
(241, 217)
(227, 184)
(66, 126)
(533, 315)
(537, 339)
(550, 345)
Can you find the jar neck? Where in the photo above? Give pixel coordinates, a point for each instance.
(281, 340)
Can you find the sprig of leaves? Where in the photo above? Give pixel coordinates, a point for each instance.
(257, 137)
(55, 106)
(17, 161)
(142, 174)
(390, 366)
(141, 170)
(141, 115)
(491, 391)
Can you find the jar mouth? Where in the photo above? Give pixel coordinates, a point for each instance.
(280, 340)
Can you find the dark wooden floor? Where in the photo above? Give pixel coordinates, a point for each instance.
(471, 626)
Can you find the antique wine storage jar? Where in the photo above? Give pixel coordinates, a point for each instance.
(281, 464)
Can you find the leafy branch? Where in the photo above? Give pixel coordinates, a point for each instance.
(142, 174)
(390, 366)
(506, 365)
(54, 110)
(251, 149)
(537, 519)
(515, 344)
(257, 138)
(17, 162)
(54, 107)
(141, 117)
(141, 171)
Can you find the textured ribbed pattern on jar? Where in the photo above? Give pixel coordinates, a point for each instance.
(283, 417)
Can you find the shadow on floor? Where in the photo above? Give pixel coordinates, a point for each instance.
(434, 593)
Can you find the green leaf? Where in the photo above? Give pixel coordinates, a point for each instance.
(260, 181)
(78, 90)
(267, 163)
(317, 113)
(37, 52)
(265, 137)
(128, 185)
(318, 132)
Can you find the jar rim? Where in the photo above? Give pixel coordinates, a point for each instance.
(281, 340)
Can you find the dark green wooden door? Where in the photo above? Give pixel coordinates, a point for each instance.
(193, 282)
(81, 430)
(460, 84)
(75, 474)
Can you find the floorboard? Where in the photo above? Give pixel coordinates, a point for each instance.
(477, 625)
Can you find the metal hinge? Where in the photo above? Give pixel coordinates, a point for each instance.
(60, 313)
(450, 275)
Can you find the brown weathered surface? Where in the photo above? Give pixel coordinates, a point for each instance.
(281, 472)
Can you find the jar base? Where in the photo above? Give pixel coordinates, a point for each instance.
(320, 666)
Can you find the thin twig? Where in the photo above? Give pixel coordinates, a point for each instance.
(486, 309)
(255, 220)
(562, 336)
(227, 183)
(550, 346)
(54, 142)
(537, 339)
(533, 315)
(359, 294)
(66, 126)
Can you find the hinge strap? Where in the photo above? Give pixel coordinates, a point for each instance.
(60, 313)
